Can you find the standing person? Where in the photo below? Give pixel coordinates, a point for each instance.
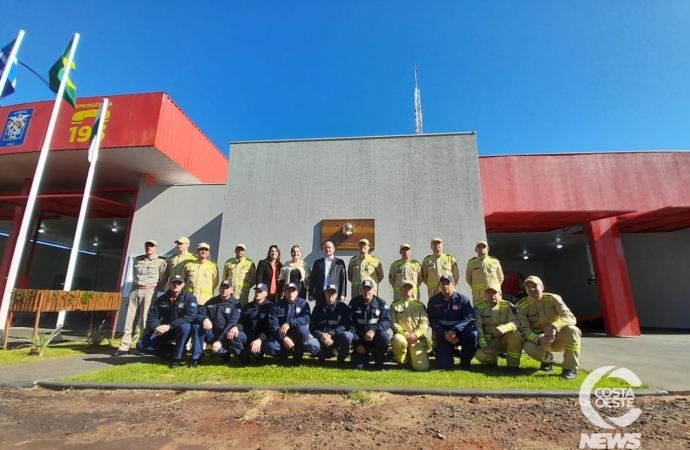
(149, 277)
(498, 331)
(176, 262)
(295, 271)
(436, 265)
(217, 324)
(371, 320)
(548, 326)
(364, 267)
(170, 318)
(482, 271)
(201, 276)
(268, 271)
(410, 323)
(327, 271)
(254, 323)
(405, 268)
(451, 316)
(288, 321)
(331, 326)
(242, 272)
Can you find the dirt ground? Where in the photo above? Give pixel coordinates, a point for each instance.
(168, 420)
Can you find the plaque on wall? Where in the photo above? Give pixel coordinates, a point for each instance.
(346, 233)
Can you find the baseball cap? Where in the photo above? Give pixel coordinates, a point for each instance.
(484, 243)
(437, 239)
(261, 287)
(226, 283)
(367, 283)
(331, 287)
(176, 278)
(448, 278)
(495, 287)
(533, 279)
(410, 282)
(182, 240)
(152, 242)
(291, 286)
(203, 245)
(405, 245)
(363, 241)
(242, 246)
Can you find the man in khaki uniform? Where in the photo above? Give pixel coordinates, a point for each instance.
(364, 267)
(201, 276)
(405, 269)
(548, 326)
(436, 265)
(498, 330)
(482, 271)
(176, 262)
(149, 277)
(410, 323)
(242, 272)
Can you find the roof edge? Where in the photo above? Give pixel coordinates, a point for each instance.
(462, 133)
(593, 152)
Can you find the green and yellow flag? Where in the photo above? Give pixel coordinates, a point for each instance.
(57, 72)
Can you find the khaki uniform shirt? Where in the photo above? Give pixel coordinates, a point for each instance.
(242, 274)
(434, 267)
(534, 316)
(488, 318)
(176, 264)
(405, 270)
(201, 279)
(149, 273)
(360, 269)
(409, 316)
(483, 272)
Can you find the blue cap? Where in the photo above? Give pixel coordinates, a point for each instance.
(331, 287)
(291, 285)
(176, 278)
(367, 283)
(226, 283)
(448, 278)
(261, 287)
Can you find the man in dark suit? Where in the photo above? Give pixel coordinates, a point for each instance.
(328, 270)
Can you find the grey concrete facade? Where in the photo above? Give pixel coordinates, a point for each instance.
(415, 187)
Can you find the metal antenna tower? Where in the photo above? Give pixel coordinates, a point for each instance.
(418, 126)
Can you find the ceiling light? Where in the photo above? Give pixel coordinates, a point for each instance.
(113, 229)
(559, 245)
(41, 230)
(95, 244)
(525, 257)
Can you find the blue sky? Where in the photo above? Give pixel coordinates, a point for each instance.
(529, 76)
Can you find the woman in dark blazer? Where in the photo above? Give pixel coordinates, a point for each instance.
(267, 272)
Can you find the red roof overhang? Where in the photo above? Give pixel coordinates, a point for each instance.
(542, 221)
(670, 218)
(68, 205)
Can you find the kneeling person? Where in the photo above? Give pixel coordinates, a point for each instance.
(170, 318)
(288, 321)
(254, 323)
(371, 319)
(498, 330)
(217, 324)
(410, 323)
(331, 327)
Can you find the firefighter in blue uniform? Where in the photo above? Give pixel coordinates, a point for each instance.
(217, 324)
(331, 328)
(451, 316)
(371, 320)
(288, 321)
(254, 324)
(170, 318)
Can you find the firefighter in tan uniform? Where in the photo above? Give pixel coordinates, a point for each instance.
(149, 278)
(364, 267)
(482, 271)
(176, 262)
(410, 324)
(498, 330)
(201, 276)
(405, 269)
(242, 272)
(548, 326)
(436, 265)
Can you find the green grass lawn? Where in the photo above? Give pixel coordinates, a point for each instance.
(59, 350)
(310, 374)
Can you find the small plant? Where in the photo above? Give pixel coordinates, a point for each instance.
(358, 396)
(86, 297)
(97, 334)
(38, 345)
(255, 396)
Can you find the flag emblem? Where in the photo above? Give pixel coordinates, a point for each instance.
(58, 71)
(11, 67)
(16, 127)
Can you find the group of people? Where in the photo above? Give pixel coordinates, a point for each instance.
(298, 309)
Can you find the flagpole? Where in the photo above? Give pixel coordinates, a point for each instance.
(95, 144)
(6, 73)
(33, 193)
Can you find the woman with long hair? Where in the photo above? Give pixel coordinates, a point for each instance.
(267, 272)
(295, 271)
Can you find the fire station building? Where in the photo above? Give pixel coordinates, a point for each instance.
(609, 232)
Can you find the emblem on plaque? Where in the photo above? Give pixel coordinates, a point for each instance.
(345, 233)
(348, 229)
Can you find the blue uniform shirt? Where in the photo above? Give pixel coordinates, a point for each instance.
(334, 319)
(254, 320)
(165, 311)
(295, 314)
(374, 316)
(455, 314)
(223, 314)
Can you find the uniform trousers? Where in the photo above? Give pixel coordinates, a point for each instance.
(444, 349)
(378, 345)
(138, 304)
(567, 341)
(160, 345)
(415, 353)
(510, 344)
(201, 337)
(341, 347)
(274, 344)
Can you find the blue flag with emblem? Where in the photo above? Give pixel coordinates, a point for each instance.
(8, 64)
